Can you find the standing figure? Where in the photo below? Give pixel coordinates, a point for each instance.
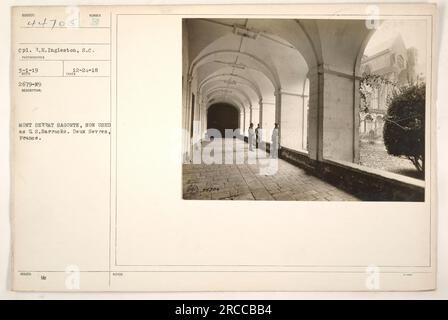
(274, 142)
(257, 135)
(251, 136)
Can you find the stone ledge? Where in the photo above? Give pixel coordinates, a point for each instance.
(366, 183)
(397, 178)
(298, 158)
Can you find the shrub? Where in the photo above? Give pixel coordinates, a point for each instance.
(404, 127)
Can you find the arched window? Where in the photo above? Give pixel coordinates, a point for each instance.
(392, 59)
(401, 62)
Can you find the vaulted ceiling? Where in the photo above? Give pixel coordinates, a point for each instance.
(244, 60)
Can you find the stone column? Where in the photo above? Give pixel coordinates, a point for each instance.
(203, 119)
(187, 137)
(260, 115)
(250, 115)
(333, 114)
(278, 113)
(269, 117)
(356, 105)
(255, 115)
(242, 127)
(247, 119)
(305, 99)
(291, 118)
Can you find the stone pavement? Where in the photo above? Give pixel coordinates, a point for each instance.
(250, 182)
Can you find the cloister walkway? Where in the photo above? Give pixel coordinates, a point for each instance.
(252, 181)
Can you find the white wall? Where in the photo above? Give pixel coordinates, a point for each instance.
(268, 120)
(291, 121)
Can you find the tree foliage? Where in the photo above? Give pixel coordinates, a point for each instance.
(371, 82)
(404, 127)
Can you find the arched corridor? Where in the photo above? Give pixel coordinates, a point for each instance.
(296, 81)
(222, 116)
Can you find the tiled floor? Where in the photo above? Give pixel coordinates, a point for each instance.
(252, 182)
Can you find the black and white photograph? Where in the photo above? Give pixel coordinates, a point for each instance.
(304, 109)
(133, 128)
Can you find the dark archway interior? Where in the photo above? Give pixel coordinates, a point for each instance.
(222, 116)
